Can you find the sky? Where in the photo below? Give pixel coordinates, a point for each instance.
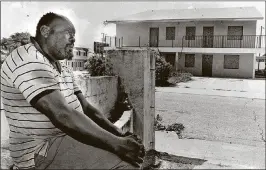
(88, 17)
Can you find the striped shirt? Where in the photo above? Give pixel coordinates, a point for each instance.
(26, 73)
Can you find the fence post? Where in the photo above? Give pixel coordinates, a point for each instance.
(182, 41)
(139, 41)
(122, 42)
(115, 41)
(119, 42)
(172, 43)
(222, 41)
(110, 41)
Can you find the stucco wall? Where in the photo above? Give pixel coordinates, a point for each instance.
(101, 92)
(134, 68)
(246, 66)
(131, 31)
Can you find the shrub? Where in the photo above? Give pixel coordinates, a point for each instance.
(180, 76)
(97, 66)
(157, 124)
(162, 71)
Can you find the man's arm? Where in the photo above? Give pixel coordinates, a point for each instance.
(82, 128)
(73, 123)
(97, 116)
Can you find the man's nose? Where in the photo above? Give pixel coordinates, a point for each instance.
(72, 40)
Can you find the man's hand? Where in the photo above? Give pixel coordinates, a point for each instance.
(130, 150)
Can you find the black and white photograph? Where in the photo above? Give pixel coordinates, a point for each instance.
(132, 85)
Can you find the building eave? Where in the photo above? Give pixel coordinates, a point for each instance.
(183, 20)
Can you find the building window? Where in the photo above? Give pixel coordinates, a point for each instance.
(72, 64)
(231, 61)
(190, 33)
(85, 54)
(170, 33)
(189, 60)
(235, 33)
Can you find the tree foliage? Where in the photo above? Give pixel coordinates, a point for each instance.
(15, 40)
(98, 66)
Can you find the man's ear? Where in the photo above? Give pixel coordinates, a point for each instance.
(45, 30)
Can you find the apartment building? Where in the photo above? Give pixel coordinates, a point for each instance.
(81, 55)
(218, 42)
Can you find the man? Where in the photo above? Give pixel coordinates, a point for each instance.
(51, 123)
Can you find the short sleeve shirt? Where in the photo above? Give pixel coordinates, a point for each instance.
(26, 73)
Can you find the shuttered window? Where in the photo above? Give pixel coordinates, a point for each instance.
(170, 33)
(231, 62)
(189, 60)
(190, 33)
(235, 33)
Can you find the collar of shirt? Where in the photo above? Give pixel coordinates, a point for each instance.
(37, 46)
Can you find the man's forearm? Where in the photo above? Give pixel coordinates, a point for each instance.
(83, 129)
(74, 123)
(97, 116)
(102, 121)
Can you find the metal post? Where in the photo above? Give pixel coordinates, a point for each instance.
(122, 42)
(139, 41)
(172, 43)
(182, 41)
(119, 42)
(115, 41)
(222, 41)
(110, 41)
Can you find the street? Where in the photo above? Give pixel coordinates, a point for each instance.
(214, 118)
(224, 122)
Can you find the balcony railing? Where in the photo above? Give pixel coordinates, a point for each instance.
(216, 41)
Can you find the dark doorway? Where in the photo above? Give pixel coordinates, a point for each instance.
(207, 65)
(154, 37)
(208, 37)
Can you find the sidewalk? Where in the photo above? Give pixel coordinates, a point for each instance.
(217, 154)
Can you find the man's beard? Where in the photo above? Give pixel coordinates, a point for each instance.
(69, 55)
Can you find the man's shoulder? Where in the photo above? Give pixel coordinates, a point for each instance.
(24, 54)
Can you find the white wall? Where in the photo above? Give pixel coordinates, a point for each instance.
(246, 66)
(131, 31)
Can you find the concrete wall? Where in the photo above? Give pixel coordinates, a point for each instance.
(101, 91)
(131, 31)
(136, 68)
(246, 66)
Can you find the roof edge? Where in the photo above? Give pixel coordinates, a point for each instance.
(195, 19)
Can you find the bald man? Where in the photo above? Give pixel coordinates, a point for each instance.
(52, 126)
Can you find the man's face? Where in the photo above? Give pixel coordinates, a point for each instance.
(61, 39)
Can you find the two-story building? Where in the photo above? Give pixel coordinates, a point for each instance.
(219, 42)
(81, 55)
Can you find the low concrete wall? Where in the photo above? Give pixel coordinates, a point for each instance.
(101, 91)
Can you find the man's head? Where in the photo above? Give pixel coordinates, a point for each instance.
(56, 36)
